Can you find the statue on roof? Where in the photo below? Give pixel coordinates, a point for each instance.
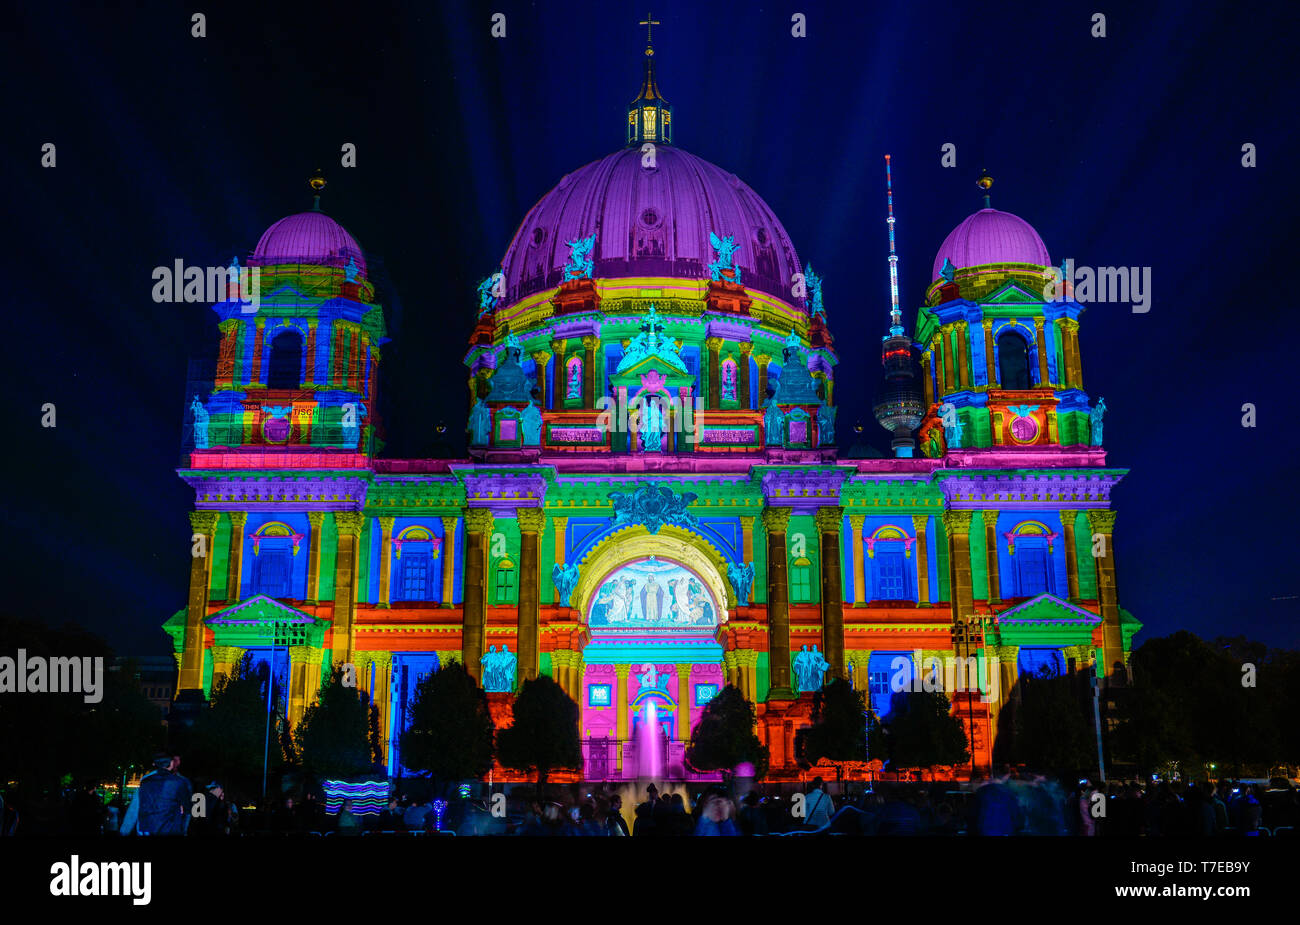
(651, 342)
(509, 382)
(490, 291)
(1094, 418)
(826, 424)
(580, 263)
(531, 424)
(814, 283)
(480, 424)
(351, 270)
(795, 385)
(652, 425)
(952, 431)
(726, 260)
(948, 272)
(741, 576)
(773, 423)
(200, 422)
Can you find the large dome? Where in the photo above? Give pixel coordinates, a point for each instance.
(650, 222)
(311, 238)
(990, 236)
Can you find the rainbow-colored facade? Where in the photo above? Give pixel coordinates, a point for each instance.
(653, 504)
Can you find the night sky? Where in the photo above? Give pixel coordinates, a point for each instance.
(1120, 151)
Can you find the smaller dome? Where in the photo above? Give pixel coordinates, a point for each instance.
(990, 236)
(311, 238)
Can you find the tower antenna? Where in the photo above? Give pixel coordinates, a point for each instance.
(895, 315)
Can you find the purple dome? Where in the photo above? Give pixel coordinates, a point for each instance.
(311, 238)
(990, 236)
(650, 222)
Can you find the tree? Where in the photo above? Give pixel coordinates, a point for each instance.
(450, 733)
(333, 737)
(839, 728)
(724, 736)
(921, 732)
(1053, 726)
(543, 736)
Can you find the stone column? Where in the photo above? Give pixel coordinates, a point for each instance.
(957, 524)
(763, 360)
(559, 669)
(1072, 330)
(1042, 352)
(478, 532)
(991, 552)
(861, 661)
(1068, 519)
(990, 365)
(381, 693)
(449, 561)
(742, 374)
(561, 374)
(532, 522)
(204, 527)
(542, 358)
(235, 560)
(225, 661)
(927, 380)
(1103, 522)
(859, 573)
(621, 673)
(255, 371)
(729, 668)
(945, 344)
(304, 680)
(747, 540)
(589, 343)
(349, 524)
(963, 356)
(776, 520)
(747, 673)
(921, 524)
(713, 345)
(317, 520)
(830, 521)
(683, 702)
(559, 525)
(385, 561)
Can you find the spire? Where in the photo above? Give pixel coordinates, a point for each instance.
(984, 182)
(649, 117)
(317, 183)
(895, 314)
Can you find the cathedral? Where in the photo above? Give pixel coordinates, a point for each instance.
(653, 505)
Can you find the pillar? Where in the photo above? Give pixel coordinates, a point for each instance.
(255, 372)
(235, 560)
(990, 362)
(921, 524)
(478, 532)
(560, 361)
(1072, 326)
(856, 522)
(204, 526)
(589, 343)
(991, 550)
(448, 561)
(714, 344)
(621, 673)
(1068, 519)
(830, 521)
(349, 524)
(317, 520)
(385, 560)
(763, 360)
(729, 668)
(945, 344)
(957, 525)
(927, 378)
(381, 693)
(861, 660)
(683, 702)
(532, 522)
(304, 680)
(742, 374)
(963, 356)
(225, 661)
(1042, 352)
(747, 538)
(559, 525)
(542, 358)
(1103, 523)
(775, 521)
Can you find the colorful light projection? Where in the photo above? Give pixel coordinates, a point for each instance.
(652, 594)
(368, 797)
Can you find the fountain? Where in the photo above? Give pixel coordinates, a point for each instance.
(649, 746)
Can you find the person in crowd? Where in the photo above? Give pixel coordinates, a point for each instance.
(614, 820)
(818, 805)
(390, 817)
(348, 823)
(716, 816)
(996, 811)
(214, 817)
(753, 815)
(162, 803)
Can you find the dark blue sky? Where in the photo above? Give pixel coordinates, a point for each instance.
(1120, 151)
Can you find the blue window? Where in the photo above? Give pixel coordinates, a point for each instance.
(704, 693)
(600, 695)
(271, 572)
(1032, 563)
(891, 572)
(417, 568)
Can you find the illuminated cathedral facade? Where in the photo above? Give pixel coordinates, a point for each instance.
(653, 505)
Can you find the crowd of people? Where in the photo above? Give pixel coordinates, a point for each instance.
(1008, 803)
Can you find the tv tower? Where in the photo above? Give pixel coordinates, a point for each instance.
(900, 407)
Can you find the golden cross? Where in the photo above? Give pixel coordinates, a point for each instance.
(648, 23)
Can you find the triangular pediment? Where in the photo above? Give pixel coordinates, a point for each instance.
(266, 621)
(653, 368)
(1047, 610)
(1011, 293)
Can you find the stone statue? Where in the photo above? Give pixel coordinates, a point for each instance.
(351, 425)
(741, 576)
(800, 667)
(651, 342)
(351, 270)
(952, 432)
(773, 423)
(531, 423)
(487, 299)
(498, 669)
(200, 424)
(564, 575)
(232, 274)
(948, 271)
(826, 424)
(814, 283)
(795, 386)
(649, 678)
(652, 426)
(580, 262)
(1094, 417)
(809, 669)
(726, 248)
(480, 424)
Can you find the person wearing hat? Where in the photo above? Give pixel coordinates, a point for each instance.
(213, 818)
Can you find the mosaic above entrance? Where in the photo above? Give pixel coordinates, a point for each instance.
(652, 594)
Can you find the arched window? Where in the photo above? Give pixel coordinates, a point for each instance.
(1013, 361)
(728, 379)
(1030, 545)
(414, 550)
(285, 365)
(574, 371)
(889, 550)
(801, 580)
(274, 546)
(505, 584)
